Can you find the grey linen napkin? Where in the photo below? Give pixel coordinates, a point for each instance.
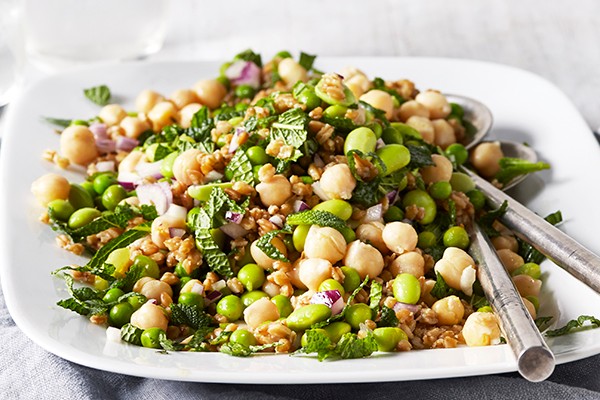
(29, 372)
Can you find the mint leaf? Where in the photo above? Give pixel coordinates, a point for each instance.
(236, 349)
(375, 297)
(184, 314)
(486, 221)
(531, 254)
(85, 300)
(320, 218)
(348, 304)
(351, 346)
(387, 317)
(249, 55)
(317, 342)
(542, 322)
(420, 156)
(131, 334)
(201, 126)
(98, 94)
(240, 167)
(264, 244)
(306, 61)
(121, 241)
(211, 253)
(441, 288)
(574, 325)
(291, 128)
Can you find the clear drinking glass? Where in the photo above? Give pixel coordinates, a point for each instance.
(67, 32)
(12, 55)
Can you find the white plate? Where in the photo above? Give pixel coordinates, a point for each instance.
(525, 107)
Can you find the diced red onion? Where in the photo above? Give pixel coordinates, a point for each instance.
(98, 130)
(213, 296)
(374, 213)
(128, 180)
(105, 166)
(391, 196)
(234, 144)
(177, 212)
(244, 73)
(126, 144)
(154, 194)
(197, 288)
(300, 206)
(149, 169)
(176, 232)
(113, 334)
(152, 301)
(234, 217)
(413, 308)
(105, 146)
(318, 190)
(212, 176)
(233, 230)
(219, 285)
(331, 298)
(318, 161)
(379, 144)
(276, 220)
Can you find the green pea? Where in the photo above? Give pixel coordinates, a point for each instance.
(303, 317)
(251, 276)
(148, 265)
(120, 314)
(255, 173)
(151, 337)
(335, 111)
(79, 197)
(349, 234)
(362, 139)
(393, 213)
(422, 199)
(332, 284)
(440, 190)
(535, 301)
(391, 135)
(309, 98)
(230, 307)
(337, 207)
(357, 314)
(394, 156)
(137, 301)
(250, 297)
(347, 100)
(530, 268)
(477, 199)
(82, 217)
(166, 167)
(406, 288)
(257, 155)
(457, 152)
(485, 309)
(202, 192)
(427, 239)
(284, 305)
(183, 280)
(407, 131)
(456, 236)
(461, 182)
(244, 91)
(336, 330)
(112, 295)
(387, 338)
(307, 179)
(221, 141)
(61, 209)
(243, 337)
(299, 236)
(112, 196)
(191, 299)
(89, 187)
(102, 181)
(351, 279)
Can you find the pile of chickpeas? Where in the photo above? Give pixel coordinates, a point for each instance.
(392, 248)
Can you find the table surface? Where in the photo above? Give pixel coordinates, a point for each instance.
(551, 38)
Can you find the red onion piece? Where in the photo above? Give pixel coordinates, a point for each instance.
(212, 176)
(379, 144)
(391, 196)
(105, 166)
(154, 194)
(234, 217)
(234, 144)
(213, 296)
(277, 220)
(197, 288)
(331, 298)
(128, 180)
(413, 308)
(176, 232)
(98, 130)
(300, 206)
(233, 230)
(318, 161)
(105, 146)
(126, 144)
(149, 169)
(244, 73)
(374, 213)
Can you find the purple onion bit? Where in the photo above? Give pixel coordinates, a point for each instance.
(300, 206)
(234, 217)
(331, 298)
(413, 308)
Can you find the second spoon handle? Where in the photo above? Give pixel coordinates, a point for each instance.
(547, 239)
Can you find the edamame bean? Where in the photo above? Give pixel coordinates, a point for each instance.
(406, 288)
(166, 167)
(112, 196)
(222, 141)
(243, 337)
(250, 297)
(427, 239)
(61, 209)
(391, 135)
(299, 236)
(102, 181)
(461, 182)
(407, 131)
(112, 295)
(251, 276)
(202, 192)
(356, 314)
(477, 199)
(331, 284)
(119, 258)
(394, 156)
(244, 91)
(457, 152)
(335, 111)
(191, 299)
(151, 337)
(231, 307)
(422, 199)
(82, 217)
(531, 269)
(257, 155)
(336, 330)
(337, 207)
(362, 139)
(120, 314)
(456, 236)
(89, 187)
(393, 213)
(387, 338)
(440, 190)
(284, 305)
(302, 318)
(351, 279)
(137, 301)
(323, 94)
(79, 197)
(309, 98)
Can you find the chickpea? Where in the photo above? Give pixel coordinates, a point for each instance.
(337, 182)
(380, 100)
(412, 108)
(530, 307)
(112, 114)
(294, 276)
(134, 127)
(458, 269)
(187, 169)
(426, 296)
(160, 229)
(371, 232)
(153, 288)
(505, 242)
(444, 133)
(275, 190)
(146, 100)
(271, 288)
(510, 259)
(183, 97)
(358, 84)
(313, 271)
(186, 114)
(481, 329)
(262, 310)
(349, 72)
(408, 263)
(527, 286)
(77, 143)
(435, 102)
(423, 126)
(162, 114)
(131, 161)
(326, 243)
(150, 316)
(364, 258)
(50, 187)
(264, 260)
(210, 92)
(440, 172)
(485, 157)
(291, 72)
(449, 310)
(137, 287)
(400, 237)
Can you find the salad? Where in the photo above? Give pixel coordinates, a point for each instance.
(279, 208)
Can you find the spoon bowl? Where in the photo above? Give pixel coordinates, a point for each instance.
(477, 114)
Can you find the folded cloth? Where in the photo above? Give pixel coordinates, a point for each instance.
(29, 372)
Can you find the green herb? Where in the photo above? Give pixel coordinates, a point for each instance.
(527, 251)
(486, 221)
(387, 317)
(340, 316)
(341, 124)
(575, 325)
(240, 350)
(249, 55)
(513, 167)
(104, 271)
(317, 342)
(291, 129)
(131, 334)
(223, 337)
(201, 126)
(441, 288)
(240, 167)
(63, 123)
(198, 341)
(317, 217)
(135, 272)
(379, 114)
(184, 314)
(98, 94)
(542, 322)
(478, 301)
(124, 240)
(168, 344)
(375, 296)
(366, 193)
(85, 300)
(351, 346)
(307, 61)
(420, 156)
(214, 257)
(452, 211)
(264, 244)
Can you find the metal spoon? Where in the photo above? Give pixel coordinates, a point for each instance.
(476, 113)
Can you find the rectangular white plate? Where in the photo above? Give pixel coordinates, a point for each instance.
(526, 108)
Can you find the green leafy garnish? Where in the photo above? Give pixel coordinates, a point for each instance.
(542, 322)
(184, 314)
(249, 55)
(317, 342)
(340, 316)
(575, 325)
(240, 350)
(486, 221)
(264, 244)
(317, 217)
(85, 300)
(387, 317)
(214, 257)
(531, 254)
(441, 288)
(379, 84)
(124, 240)
(240, 167)
(98, 94)
(351, 346)
(375, 297)
(291, 129)
(131, 334)
(63, 123)
(306, 61)
(420, 155)
(513, 167)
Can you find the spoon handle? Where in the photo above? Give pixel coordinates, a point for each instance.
(559, 247)
(535, 361)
